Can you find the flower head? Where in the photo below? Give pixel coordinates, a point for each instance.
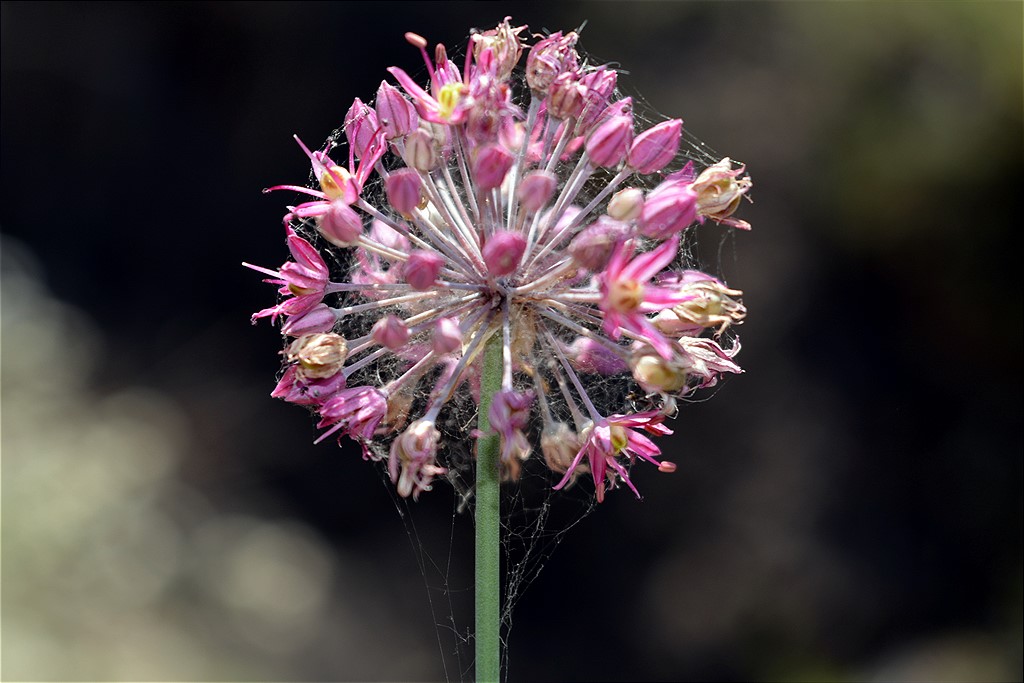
(524, 205)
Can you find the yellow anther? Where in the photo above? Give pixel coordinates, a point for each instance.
(330, 186)
(449, 98)
(619, 438)
(625, 296)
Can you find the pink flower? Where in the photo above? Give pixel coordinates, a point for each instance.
(614, 436)
(626, 295)
(508, 221)
(357, 412)
(305, 391)
(304, 280)
(320, 318)
(510, 411)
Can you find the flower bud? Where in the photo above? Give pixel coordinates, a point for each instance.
(304, 391)
(625, 205)
(550, 57)
(600, 86)
(536, 189)
(421, 270)
(490, 165)
(608, 144)
(565, 96)
(588, 355)
(447, 336)
(320, 318)
(503, 252)
(655, 373)
(340, 224)
(668, 210)
(420, 151)
(655, 147)
(396, 114)
(404, 190)
(593, 246)
(360, 127)
(319, 355)
(390, 332)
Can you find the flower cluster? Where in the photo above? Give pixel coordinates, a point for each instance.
(522, 204)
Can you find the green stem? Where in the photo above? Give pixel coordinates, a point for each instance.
(488, 523)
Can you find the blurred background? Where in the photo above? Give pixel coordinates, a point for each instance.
(849, 509)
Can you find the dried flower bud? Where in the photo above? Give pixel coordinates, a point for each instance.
(399, 407)
(536, 189)
(626, 205)
(404, 190)
(318, 355)
(719, 191)
(420, 151)
(340, 224)
(710, 304)
(397, 115)
(422, 269)
(560, 445)
(412, 463)
(447, 336)
(593, 246)
(505, 47)
(503, 252)
(608, 144)
(655, 147)
(550, 57)
(655, 373)
(490, 165)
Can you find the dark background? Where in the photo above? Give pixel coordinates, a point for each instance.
(848, 509)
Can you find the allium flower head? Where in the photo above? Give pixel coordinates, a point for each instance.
(524, 205)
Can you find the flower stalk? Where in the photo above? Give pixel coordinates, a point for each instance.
(488, 522)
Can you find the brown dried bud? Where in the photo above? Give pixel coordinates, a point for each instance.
(318, 355)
